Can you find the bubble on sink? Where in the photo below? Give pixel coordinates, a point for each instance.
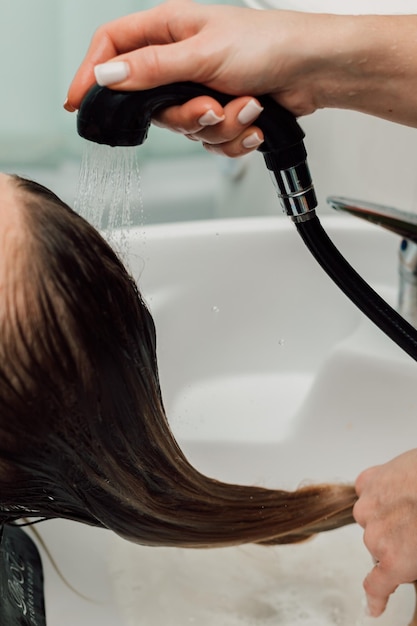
(317, 583)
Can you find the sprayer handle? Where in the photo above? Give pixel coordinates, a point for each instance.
(122, 118)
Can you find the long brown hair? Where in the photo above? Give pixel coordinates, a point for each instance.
(83, 432)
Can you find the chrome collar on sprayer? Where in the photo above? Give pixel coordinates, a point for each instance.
(120, 118)
(295, 189)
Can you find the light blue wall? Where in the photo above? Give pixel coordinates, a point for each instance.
(42, 43)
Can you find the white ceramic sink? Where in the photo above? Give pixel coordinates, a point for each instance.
(270, 376)
(257, 346)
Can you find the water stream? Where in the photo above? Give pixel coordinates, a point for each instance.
(109, 193)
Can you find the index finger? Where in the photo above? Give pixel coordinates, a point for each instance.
(125, 34)
(363, 479)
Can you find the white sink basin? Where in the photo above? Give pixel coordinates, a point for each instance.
(270, 376)
(258, 347)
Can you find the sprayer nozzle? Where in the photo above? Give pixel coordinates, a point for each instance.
(112, 118)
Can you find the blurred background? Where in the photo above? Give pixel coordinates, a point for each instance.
(42, 44)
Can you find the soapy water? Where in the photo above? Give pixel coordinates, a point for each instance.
(316, 583)
(109, 193)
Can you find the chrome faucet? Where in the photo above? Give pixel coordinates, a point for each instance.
(402, 223)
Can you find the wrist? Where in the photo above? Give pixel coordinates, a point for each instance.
(317, 60)
(370, 67)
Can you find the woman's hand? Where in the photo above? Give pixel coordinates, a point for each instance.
(305, 61)
(387, 510)
(228, 130)
(235, 50)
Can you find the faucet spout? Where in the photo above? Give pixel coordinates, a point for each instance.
(401, 223)
(407, 296)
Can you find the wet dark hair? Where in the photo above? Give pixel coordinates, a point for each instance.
(83, 432)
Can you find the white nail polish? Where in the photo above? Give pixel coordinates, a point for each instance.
(111, 73)
(252, 141)
(250, 112)
(210, 118)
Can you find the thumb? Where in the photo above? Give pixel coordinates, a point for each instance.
(149, 67)
(378, 587)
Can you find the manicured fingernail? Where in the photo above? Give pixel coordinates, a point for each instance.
(252, 141)
(68, 107)
(250, 112)
(111, 73)
(210, 118)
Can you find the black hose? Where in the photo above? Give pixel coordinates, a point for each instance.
(356, 288)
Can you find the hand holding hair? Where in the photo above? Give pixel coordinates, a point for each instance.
(387, 510)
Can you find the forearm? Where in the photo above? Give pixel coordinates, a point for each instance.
(369, 64)
(306, 61)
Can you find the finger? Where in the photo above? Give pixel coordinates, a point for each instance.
(226, 131)
(206, 120)
(235, 136)
(145, 28)
(140, 69)
(139, 30)
(378, 587)
(363, 479)
(192, 116)
(363, 511)
(155, 65)
(239, 114)
(248, 141)
(101, 49)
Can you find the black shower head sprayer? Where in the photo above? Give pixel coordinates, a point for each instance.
(121, 118)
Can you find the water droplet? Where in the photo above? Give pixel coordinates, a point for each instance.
(215, 309)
